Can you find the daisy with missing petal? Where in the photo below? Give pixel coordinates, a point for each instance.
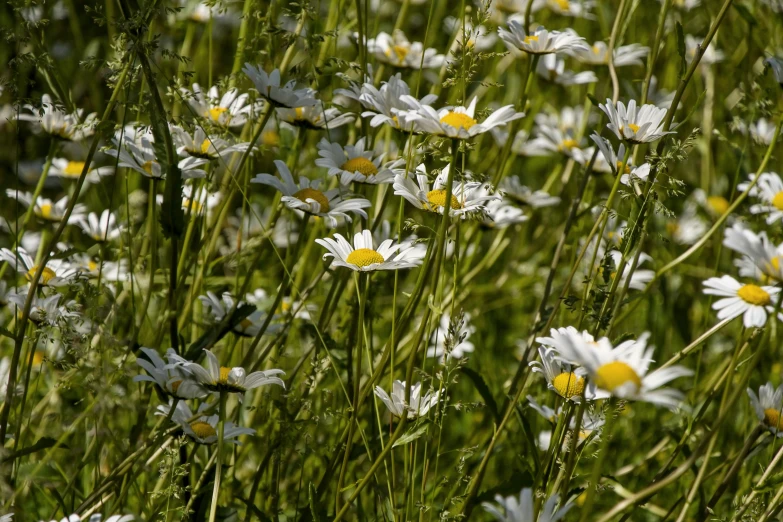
(229, 110)
(522, 508)
(353, 163)
(248, 327)
(751, 301)
(552, 68)
(512, 188)
(635, 125)
(623, 370)
(171, 378)
(201, 145)
(362, 256)
(385, 105)
(52, 120)
(757, 248)
(503, 213)
(72, 170)
(769, 190)
(540, 41)
(560, 378)
(623, 56)
(466, 196)
(396, 50)
(268, 86)
(139, 155)
(101, 228)
(397, 406)
(315, 117)
(456, 122)
(768, 405)
(57, 272)
(218, 378)
(203, 429)
(307, 196)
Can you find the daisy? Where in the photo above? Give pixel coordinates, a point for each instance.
(362, 256)
(248, 327)
(100, 229)
(229, 110)
(502, 213)
(353, 163)
(456, 122)
(758, 249)
(592, 422)
(203, 430)
(72, 170)
(459, 345)
(540, 41)
(762, 131)
(97, 518)
(200, 145)
(552, 68)
(396, 50)
(769, 190)
(466, 196)
(623, 56)
(768, 405)
(551, 139)
(218, 378)
(751, 301)
(57, 272)
(419, 406)
(479, 38)
(47, 209)
(512, 188)
(559, 376)
(575, 8)
(171, 378)
(199, 203)
(633, 125)
(268, 86)
(315, 117)
(639, 278)
(307, 196)
(688, 228)
(139, 154)
(513, 509)
(623, 370)
(54, 121)
(47, 310)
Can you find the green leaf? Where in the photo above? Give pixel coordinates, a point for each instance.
(412, 435)
(745, 13)
(43, 443)
(681, 49)
(313, 494)
(220, 330)
(593, 99)
(483, 389)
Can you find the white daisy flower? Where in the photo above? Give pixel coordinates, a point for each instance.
(769, 190)
(688, 228)
(767, 257)
(57, 272)
(552, 139)
(592, 422)
(96, 518)
(101, 228)
(479, 38)
(685, 5)
(385, 105)
(170, 377)
(229, 110)
(462, 345)
(268, 86)
(363, 256)
(47, 310)
(575, 8)
(540, 41)
(354, 163)
(635, 125)
(512, 188)
(762, 131)
(203, 430)
(218, 378)
(315, 117)
(623, 371)
(52, 120)
(466, 196)
(521, 146)
(419, 405)
(711, 55)
(751, 301)
(72, 170)
(640, 277)
(200, 145)
(560, 378)
(396, 50)
(248, 327)
(768, 405)
(623, 56)
(522, 509)
(307, 196)
(552, 68)
(47, 209)
(139, 155)
(503, 213)
(199, 203)
(455, 122)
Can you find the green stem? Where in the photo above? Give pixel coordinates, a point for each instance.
(219, 461)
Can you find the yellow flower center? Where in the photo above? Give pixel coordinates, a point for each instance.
(74, 169)
(205, 146)
(612, 375)
(215, 113)
(194, 205)
(596, 49)
(47, 275)
(777, 201)
(364, 257)
(362, 165)
(245, 323)
(569, 144)
(718, 204)
(754, 295)
(568, 385)
(626, 169)
(175, 386)
(270, 138)
(772, 418)
(299, 112)
(634, 127)
(45, 211)
(458, 119)
(147, 167)
(437, 198)
(202, 429)
(316, 195)
(38, 357)
(562, 4)
(399, 51)
(224, 373)
(92, 266)
(531, 38)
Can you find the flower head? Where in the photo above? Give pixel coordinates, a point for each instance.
(353, 163)
(52, 120)
(768, 405)
(540, 41)
(418, 406)
(751, 301)
(170, 377)
(466, 196)
(229, 110)
(218, 378)
(635, 125)
(454, 122)
(201, 428)
(521, 509)
(398, 51)
(363, 256)
(269, 87)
